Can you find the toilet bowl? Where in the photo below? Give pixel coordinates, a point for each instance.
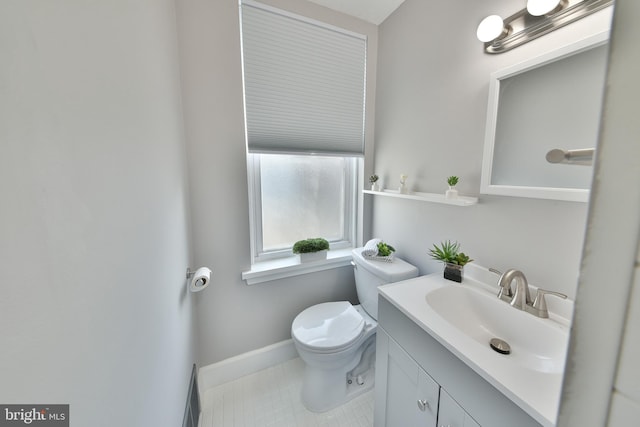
(336, 340)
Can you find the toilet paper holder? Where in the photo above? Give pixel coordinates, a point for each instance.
(190, 272)
(198, 279)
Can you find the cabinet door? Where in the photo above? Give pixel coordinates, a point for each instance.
(451, 414)
(412, 395)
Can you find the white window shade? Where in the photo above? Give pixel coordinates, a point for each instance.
(304, 84)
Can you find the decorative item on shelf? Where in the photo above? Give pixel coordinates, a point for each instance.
(313, 249)
(454, 261)
(403, 184)
(452, 193)
(373, 180)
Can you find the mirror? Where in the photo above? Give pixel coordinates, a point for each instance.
(550, 102)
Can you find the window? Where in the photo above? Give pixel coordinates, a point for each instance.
(295, 197)
(304, 89)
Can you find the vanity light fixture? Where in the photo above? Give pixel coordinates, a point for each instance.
(491, 28)
(537, 19)
(544, 7)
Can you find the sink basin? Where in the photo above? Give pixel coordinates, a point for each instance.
(536, 344)
(464, 317)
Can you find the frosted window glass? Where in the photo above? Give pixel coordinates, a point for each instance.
(302, 197)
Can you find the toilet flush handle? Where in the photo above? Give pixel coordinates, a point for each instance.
(354, 264)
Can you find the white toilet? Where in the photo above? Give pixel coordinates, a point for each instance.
(336, 340)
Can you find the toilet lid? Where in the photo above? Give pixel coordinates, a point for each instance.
(328, 326)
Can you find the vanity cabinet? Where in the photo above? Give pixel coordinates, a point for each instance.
(420, 383)
(411, 397)
(450, 414)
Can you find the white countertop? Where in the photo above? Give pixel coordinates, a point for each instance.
(536, 392)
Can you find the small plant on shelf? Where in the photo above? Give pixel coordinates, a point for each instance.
(452, 193)
(311, 249)
(373, 180)
(449, 253)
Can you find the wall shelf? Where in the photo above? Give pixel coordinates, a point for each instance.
(425, 197)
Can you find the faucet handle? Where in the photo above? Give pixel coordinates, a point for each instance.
(493, 270)
(540, 304)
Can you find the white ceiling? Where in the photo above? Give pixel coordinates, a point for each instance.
(374, 11)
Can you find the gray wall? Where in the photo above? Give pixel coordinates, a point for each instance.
(94, 229)
(93, 218)
(235, 318)
(430, 105)
(431, 108)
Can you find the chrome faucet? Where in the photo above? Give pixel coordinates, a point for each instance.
(520, 298)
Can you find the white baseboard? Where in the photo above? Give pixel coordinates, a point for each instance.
(244, 364)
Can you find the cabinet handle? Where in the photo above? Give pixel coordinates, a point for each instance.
(423, 404)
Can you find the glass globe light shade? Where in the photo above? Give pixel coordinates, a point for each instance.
(541, 7)
(490, 28)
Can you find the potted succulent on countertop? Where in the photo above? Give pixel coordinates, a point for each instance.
(313, 249)
(452, 193)
(373, 180)
(449, 253)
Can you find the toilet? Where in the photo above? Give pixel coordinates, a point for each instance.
(336, 340)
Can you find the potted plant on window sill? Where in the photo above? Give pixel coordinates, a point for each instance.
(454, 261)
(314, 249)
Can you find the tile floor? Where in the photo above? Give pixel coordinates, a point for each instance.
(272, 398)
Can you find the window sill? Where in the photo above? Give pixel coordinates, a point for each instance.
(288, 267)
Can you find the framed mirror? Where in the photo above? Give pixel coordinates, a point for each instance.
(547, 103)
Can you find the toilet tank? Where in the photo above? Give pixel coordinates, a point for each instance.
(370, 274)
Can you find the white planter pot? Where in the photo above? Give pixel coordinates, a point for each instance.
(451, 193)
(313, 256)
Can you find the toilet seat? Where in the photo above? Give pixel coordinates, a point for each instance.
(328, 327)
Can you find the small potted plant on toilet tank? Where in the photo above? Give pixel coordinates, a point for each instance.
(449, 253)
(312, 249)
